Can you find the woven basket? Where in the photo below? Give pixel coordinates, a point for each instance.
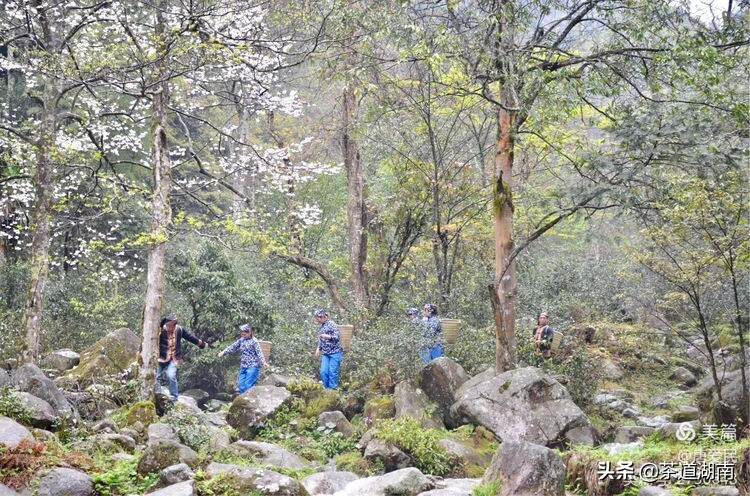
(450, 329)
(346, 336)
(265, 347)
(557, 338)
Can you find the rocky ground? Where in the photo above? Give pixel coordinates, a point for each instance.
(70, 428)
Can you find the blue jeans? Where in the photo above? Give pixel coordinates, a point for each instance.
(170, 370)
(247, 378)
(329, 369)
(429, 354)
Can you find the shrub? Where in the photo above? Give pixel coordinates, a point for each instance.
(325, 401)
(11, 406)
(420, 443)
(221, 485)
(379, 408)
(352, 461)
(122, 479)
(18, 465)
(487, 489)
(143, 412)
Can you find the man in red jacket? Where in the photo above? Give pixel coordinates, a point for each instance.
(170, 351)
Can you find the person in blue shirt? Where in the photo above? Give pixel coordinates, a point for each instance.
(432, 334)
(251, 358)
(329, 349)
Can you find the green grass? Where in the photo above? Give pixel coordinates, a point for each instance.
(487, 489)
(421, 444)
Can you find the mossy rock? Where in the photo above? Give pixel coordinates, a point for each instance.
(321, 401)
(380, 408)
(304, 387)
(353, 461)
(143, 412)
(112, 354)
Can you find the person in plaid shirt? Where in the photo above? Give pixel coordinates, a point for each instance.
(251, 358)
(329, 349)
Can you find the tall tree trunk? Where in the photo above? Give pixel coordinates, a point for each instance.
(41, 238)
(504, 298)
(356, 213)
(161, 218)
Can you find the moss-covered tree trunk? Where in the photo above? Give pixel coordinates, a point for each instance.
(161, 217)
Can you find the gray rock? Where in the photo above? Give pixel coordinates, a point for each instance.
(220, 439)
(521, 404)
(12, 433)
(581, 436)
(4, 378)
(390, 456)
(327, 482)
(671, 430)
(30, 379)
(61, 360)
(215, 405)
(453, 487)
(161, 432)
(619, 448)
(526, 469)
(160, 454)
(337, 421)
(277, 380)
(42, 414)
(686, 413)
(412, 402)
(175, 473)
(267, 454)
(266, 482)
(441, 379)
(465, 454)
(404, 482)
(630, 433)
(189, 404)
(112, 354)
(105, 426)
(65, 482)
(122, 457)
(610, 370)
(200, 396)
(654, 422)
(250, 410)
(684, 377)
(6, 491)
(186, 488)
(654, 491)
(716, 491)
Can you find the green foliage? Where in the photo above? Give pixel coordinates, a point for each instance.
(420, 443)
(11, 406)
(303, 385)
(221, 485)
(352, 461)
(379, 408)
(123, 479)
(324, 401)
(486, 489)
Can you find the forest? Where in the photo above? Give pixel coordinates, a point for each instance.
(345, 164)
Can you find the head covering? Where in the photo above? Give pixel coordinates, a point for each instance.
(432, 308)
(168, 318)
(246, 328)
(321, 312)
(412, 311)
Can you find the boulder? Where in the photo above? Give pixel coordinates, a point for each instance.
(112, 354)
(453, 487)
(441, 379)
(265, 482)
(41, 413)
(215, 405)
(465, 454)
(715, 491)
(390, 456)
(277, 380)
(521, 404)
(412, 402)
(353, 405)
(30, 379)
(404, 482)
(630, 433)
(267, 454)
(678, 430)
(107, 442)
(61, 360)
(219, 440)
(619, 448)
(654, 491)
(336, 421)
(686, 413)
(105, 426)
(200, 396)
(189, 404)
(327, 482)
(581, 436)
(161, 432)
(175, 474)
(610, 370)
(186, 488)
(684, 377)
(160, 454)
(527, 469)
(250, 410)
(12, 433)
(379, 408)
(65, 482)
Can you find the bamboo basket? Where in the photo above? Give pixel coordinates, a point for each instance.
(346, 336)
(265, 347)
(557, 338)
(450, 329)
